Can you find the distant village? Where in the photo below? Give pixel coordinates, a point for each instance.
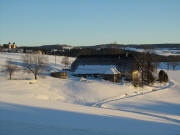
(108, 62)
(9, 47)
(75, 51)
(105, 49)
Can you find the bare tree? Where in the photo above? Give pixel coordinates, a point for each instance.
(10, 68)
(65, 61)
(174, 65)
(35, 63)
(146, 68)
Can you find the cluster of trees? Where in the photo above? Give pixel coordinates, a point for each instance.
(32, 63)
(147, 70)
(35, 63)
(65, 61)
(75, 52)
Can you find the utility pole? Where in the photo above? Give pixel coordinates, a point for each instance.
(55, 55)
(55, 59)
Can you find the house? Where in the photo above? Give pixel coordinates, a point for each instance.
(108, 67)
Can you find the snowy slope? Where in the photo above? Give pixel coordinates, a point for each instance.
(51, 106)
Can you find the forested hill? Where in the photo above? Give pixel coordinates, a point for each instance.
(111, 45)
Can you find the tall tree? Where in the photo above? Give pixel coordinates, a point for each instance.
(146, 67)
(65, 61)
(35, 63)
(10, 68)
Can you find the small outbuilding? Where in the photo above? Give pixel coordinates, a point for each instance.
(62, 75)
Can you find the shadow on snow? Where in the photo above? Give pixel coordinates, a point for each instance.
(19, 119)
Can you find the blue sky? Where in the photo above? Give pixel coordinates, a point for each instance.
(89, 22)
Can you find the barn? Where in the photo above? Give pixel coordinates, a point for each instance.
(108, 67)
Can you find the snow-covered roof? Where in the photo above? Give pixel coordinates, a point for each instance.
(96, 69)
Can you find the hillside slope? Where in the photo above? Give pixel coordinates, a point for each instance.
(51, 106)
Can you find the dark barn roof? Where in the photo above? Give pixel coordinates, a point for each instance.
(121, 61)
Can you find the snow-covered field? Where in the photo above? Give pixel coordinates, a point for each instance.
(159, 51)
(51, 106)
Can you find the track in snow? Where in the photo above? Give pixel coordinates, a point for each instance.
(100, 103)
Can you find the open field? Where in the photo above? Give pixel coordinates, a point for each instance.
(55, 106)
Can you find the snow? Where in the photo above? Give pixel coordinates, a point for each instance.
(134, 49)
(51, 106)
(159, 51)
(96, 69)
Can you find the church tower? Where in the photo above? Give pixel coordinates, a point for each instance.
(14, 45)
(9, 45)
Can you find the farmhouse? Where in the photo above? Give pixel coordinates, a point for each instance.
(108, 67)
